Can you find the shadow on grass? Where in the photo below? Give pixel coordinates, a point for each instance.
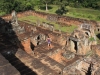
(44, 7)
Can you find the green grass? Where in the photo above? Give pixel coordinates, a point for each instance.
(34, 19)
(84, 13)
(2, 13)
(91, 39)
(71, 28)
(51, 11)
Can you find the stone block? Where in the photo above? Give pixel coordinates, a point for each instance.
(3, 61)
(6, 68)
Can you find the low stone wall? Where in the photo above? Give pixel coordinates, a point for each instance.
(63, 19)
(52, 17)
(19, 14)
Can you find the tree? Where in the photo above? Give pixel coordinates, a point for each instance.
(18, 5)
(56, 2)
(62, 7)
(46, 3)
(37, 3)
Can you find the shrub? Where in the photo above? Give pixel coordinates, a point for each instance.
(91, 39)
(61, 11)
(98, 18)
(90, 16)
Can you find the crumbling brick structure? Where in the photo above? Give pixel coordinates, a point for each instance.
(82, 38)
(53, 17)
(84, 66)
(25, 47)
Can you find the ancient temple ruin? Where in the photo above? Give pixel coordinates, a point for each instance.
(24, 50)
(82, 38)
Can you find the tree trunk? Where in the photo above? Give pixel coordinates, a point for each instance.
(46, 7)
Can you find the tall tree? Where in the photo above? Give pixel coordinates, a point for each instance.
(46, 3)
(17, 5)
(62, 7)
(38, 3)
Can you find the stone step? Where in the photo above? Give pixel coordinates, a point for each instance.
(35, 64)
(20, 66)
(43, 49)
(51, 63)
(6, 68)
(72, 60)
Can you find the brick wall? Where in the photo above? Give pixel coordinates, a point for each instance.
(62, 19)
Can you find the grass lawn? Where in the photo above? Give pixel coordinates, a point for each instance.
(2, 13)
(84, 13)
(51, 9)
(34, 19)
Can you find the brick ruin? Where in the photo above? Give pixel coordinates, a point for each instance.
(24, 48)
(80, 39)
(65, 20)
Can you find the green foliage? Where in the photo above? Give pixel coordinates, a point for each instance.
(61, 11)
(84, 13)
(2, 13)
(90, 16)
(98, 5)
(21, 5)
(71, 4)
(46, 1)
(84, 3)
(98, 18)
(34, 19)
(91, 39)
(17, 5)
(6, 6)
(62, 7)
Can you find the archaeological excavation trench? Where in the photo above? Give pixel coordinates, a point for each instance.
(24, 50)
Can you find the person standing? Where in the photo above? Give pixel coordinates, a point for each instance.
(49, 42)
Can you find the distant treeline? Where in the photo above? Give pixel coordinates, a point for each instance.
(95, 4)
(21, 5)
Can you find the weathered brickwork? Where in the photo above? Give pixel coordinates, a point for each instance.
(25, 45)
(61, 19)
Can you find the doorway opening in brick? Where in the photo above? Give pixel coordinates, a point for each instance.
(75, 46)
(38, 39)
(98, 36)
(98, 29)
(32, 45)
(87, 33)
(89, 69)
